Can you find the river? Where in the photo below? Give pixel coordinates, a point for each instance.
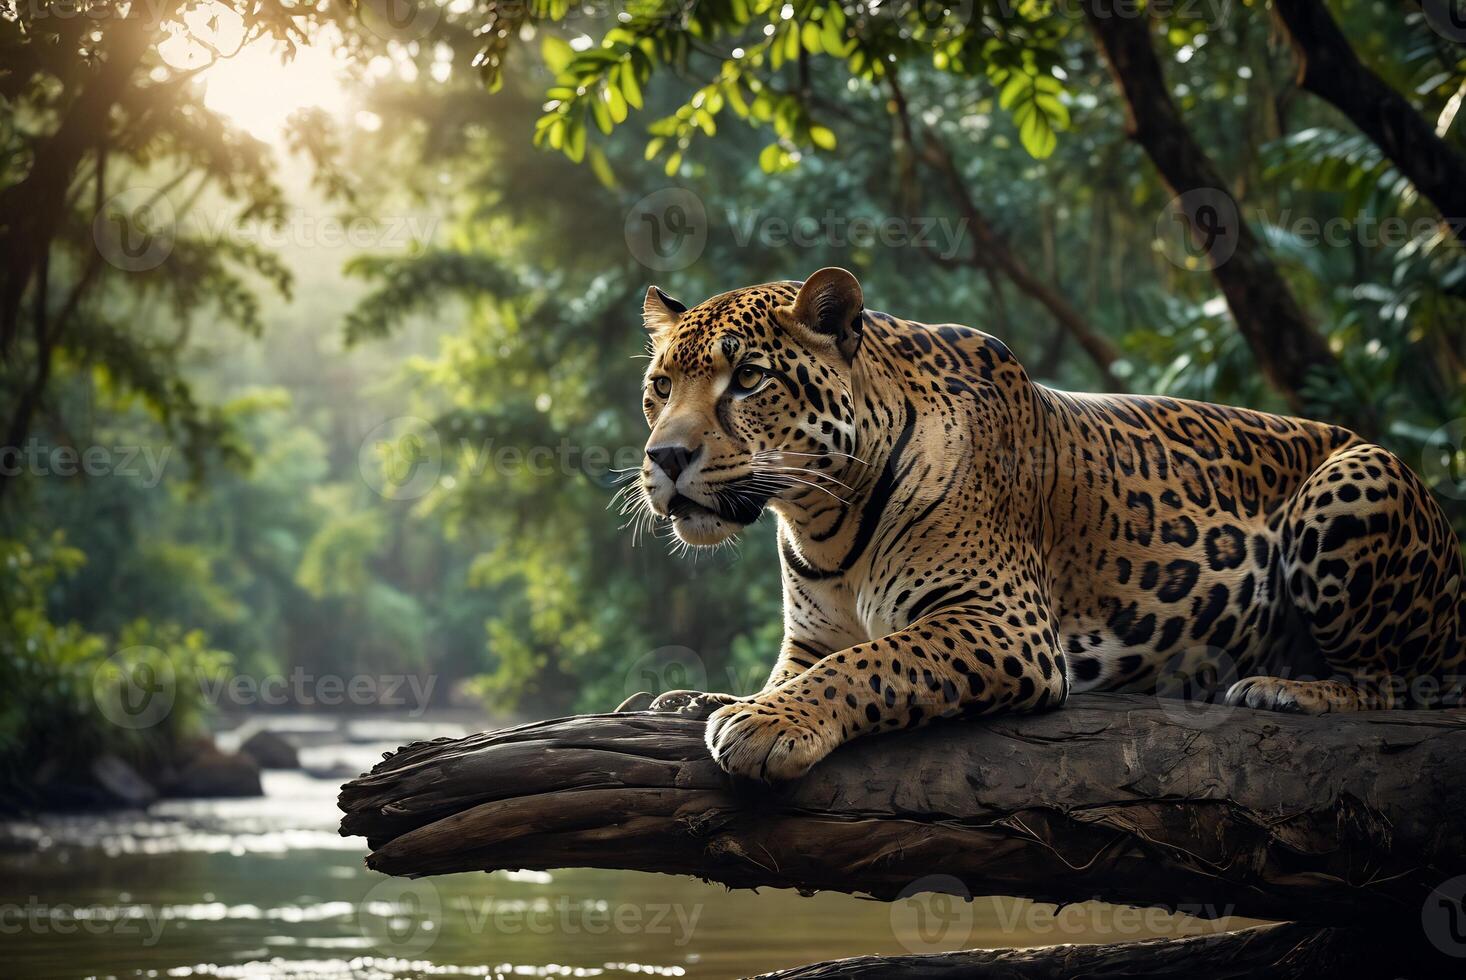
(265, 887)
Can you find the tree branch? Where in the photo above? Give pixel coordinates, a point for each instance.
(1286, 345)
(1328, 67)
(1128, 799)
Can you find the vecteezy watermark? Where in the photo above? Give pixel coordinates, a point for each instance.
(35, 458)
(1193, 683)
(940, 236)
(151, 12)
(667, 229)
(401, 458)
(404, 458)
(134, 229)
(400, 20)
(1443, 460)
(1447, 18)
(138, 228)
(563, 915)
(1199, 229)
(678, 668)
(933, 914)
(404, 918)
(1213, 12)
(303, 689)
(137, 688)
(1443, 916)
(39, 918)
(401, 917)
(669, 668)
(1093, 920)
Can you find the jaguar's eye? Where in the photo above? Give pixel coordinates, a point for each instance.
(662, 386)
(748, 378)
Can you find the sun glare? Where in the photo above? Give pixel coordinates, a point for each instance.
(250, 84)
(258, 92)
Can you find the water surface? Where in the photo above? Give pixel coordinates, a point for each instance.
(265, 887)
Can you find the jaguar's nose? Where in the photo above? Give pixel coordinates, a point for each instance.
(672, 460)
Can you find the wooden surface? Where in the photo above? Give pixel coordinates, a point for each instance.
(1127, 799)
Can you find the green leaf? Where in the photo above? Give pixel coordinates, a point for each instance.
(557, 53)
(768, 158)
(630, 87)
(615, 104)
(823, 137)
(809, 36)
(602, 115)
(1037, 135)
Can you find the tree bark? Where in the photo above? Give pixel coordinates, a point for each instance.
(1286, 345)
(1343, 819)
(1328, 67)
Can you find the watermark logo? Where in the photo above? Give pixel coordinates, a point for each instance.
(1443, 462)
(565, 916)
(667, 230)
(400, 917)
(942, 237)
(1443, 917)
(134, 230)
(933, 914)
(670, 668)
(146, 464)
(1100, 919)
(1192, 685)
(1199, 229)
(1447, 18)
(135, 688)
(399, 20)
(401, 458)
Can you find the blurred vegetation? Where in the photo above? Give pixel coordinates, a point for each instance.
(497, 151)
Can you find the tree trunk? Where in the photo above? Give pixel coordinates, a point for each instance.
(32, 209)
(1328, 67)
(1343, 819)
(1286, 345)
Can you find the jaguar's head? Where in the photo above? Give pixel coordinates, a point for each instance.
(748, 396)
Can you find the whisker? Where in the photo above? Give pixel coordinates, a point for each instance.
(829, 452)
(814, 486)
(806, 472)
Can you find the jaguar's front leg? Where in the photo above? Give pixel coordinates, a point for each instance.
(948, 663)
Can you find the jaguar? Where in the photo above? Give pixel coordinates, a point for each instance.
(957, 540)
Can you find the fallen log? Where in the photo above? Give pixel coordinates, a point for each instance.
(1331, 821)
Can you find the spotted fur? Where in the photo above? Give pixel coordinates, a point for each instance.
(958, 540)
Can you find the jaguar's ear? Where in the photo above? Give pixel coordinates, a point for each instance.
(831, 304)
(660, 312)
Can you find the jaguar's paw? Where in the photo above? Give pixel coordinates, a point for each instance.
(760, 741)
